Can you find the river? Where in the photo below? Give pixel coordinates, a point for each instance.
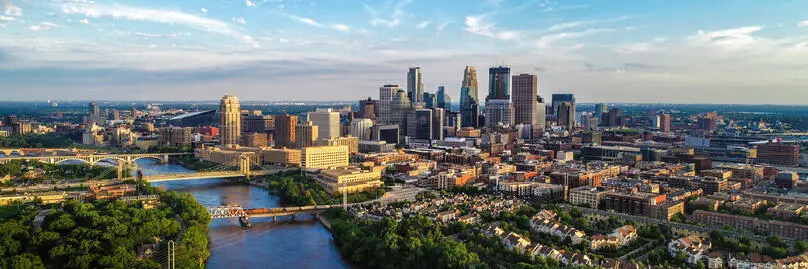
(286, 244)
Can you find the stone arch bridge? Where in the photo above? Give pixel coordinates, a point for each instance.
(93, 158)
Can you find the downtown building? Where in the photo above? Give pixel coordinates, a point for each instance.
(230, 120)
(327, 122)
(469, 100)
(528, 108)
(285, 131)
(415, 86)
(498, 106)
(386, 94)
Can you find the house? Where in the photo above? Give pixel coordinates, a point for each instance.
(446, 216)
(624, 234)
(754, 261)
(549, 226)
(694, 247)
(544, 251)
(516, 242)
(600, 241)
(493, 230)
(469, 219)
(715, 260)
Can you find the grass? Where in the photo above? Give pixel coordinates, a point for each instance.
(8, 211)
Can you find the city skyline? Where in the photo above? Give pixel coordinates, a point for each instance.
(610, 52)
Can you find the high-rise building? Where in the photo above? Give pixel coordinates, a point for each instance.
(285, 131)
(419, 124)
(415, 86)
(368, 109)
(779, 153)
(499, 83)
(324, 157)
(257, 123)
(351, 141)
(361, 128)
(388, 133)
(566, 115)
(174, 136)
(114, 114)
(430, 100)
(386, 93)
(328, 122)
(541, 116)
(306, 135)
(254, 139)
(665, 123)
(469, 101)
(613, 118)
(590, 122)
(438, 121)
(706, 124)
(230, 120)
(133, 113)
(562, 97)
(498, 111)
(94, 113)
(399, 108)
(444, 101)
(525, 99)
(601, 109)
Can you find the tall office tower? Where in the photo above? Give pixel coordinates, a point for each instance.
(665, 123)
(438, 121)
(444, 101)
(327, 120)
(399, 108)
(430, 100)
(525, 99)
(415, 86)
(541, 117)
(386, 93)
(566, 115)
(306, 135)
(114, 114)
(469, 101)
(361, 128)
(133, 113)
(94, 113)
(601, 109)
(368, 109)
(285, 131)
(498, 111)
(230, 120)
(499, 83)
(561, 97)
(419, 124)
(590, 122)
(613, 117)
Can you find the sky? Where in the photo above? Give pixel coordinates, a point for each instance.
(688, 51)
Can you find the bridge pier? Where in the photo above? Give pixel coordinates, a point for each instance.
(274, 218)
(294, 216)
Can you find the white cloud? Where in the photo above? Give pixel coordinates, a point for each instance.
(566, 25)
(34, 28)
(5, 18)
(477, 25)
(387, 20)
(340, 27)
(249, 3)
(304, 20)
(547, 40)
(240, 20)
(50, 24)
(423, 24)
(730, 38)
(85, 21)
(204, 10)
(43, 26)
(803, 23)
(12, 10)
(120, 12)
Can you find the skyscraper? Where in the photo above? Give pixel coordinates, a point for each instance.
(419, 124)
(469, 101)
(438, 121)
(499, 83)
(94, 113)
(415, 86)
(600, 109)
(368, 109)
(566, 115)
(230, 120)
(665, 123)
(399, 108)
(541, 116)
(498, 111)
(443, 99)
(285, 131)
(133, 113)
(361, 128)
(306, 135)
(562, 97)
(386, 93)
(327, 121)
(525, 99)
(430, 100)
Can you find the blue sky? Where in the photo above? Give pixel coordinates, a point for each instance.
(730, 51)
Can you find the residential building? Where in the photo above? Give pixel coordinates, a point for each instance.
(695, 248)
(306, 135)
(779, 153)
(285, 131)
(588, 196)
